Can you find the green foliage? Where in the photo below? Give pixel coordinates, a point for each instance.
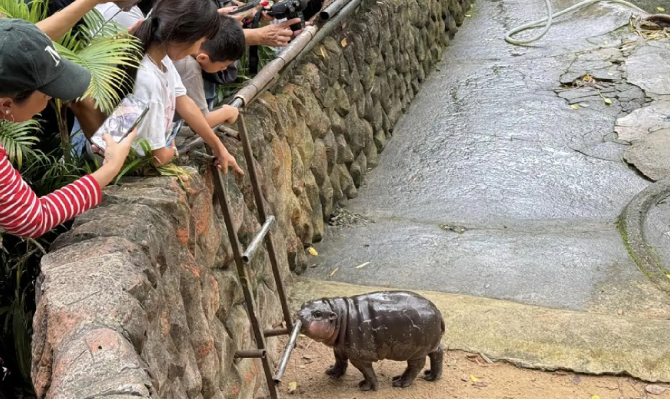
(37, 10)
(102, 47)
(19, 139)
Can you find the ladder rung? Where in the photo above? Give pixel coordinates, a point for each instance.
(256, 242)
(251, 354)
(287, 352)
(275, 333)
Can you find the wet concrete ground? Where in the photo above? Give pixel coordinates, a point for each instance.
(494, 186)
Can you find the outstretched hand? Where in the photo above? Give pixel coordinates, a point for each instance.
(277, 35)
(224, 161)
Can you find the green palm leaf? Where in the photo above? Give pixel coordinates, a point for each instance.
(18, 139)
(19, 9)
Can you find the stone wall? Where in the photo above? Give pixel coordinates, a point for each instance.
(141, 297)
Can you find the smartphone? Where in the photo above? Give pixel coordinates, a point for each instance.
(175, 130)
(122, 121)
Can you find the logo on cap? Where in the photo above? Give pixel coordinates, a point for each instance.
(53, 53)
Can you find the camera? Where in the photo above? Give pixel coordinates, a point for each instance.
(289, 9)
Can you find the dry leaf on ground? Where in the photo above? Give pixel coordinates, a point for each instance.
(655, 389)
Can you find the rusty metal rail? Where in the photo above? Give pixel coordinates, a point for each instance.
(330, 18)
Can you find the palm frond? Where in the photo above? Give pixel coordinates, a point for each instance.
(18, 140)
(102, 47)
(34, 12)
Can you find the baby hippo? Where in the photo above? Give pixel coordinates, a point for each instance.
(398, 325)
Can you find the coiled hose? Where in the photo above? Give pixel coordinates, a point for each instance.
(550, 17)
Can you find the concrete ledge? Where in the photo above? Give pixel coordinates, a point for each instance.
(536, 337)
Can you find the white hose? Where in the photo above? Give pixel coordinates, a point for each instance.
(549, 19)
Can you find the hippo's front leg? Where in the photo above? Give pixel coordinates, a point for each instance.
(340, 367)
(370, 382)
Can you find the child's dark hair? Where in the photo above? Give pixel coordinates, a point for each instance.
(176, 21)
(229, 43)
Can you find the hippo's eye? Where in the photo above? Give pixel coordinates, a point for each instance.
(317, 313)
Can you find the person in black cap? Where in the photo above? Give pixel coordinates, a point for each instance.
(32, 72)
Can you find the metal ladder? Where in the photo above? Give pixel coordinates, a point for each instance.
(243, 259)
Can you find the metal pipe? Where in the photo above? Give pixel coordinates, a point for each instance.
(332, 9)
(255, 243)
(287, 352)
(275, 333)
(329, 27)
(262, 215)
(222, 195)
(251, 354)
(272, 69)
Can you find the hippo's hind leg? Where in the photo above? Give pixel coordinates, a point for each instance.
(370, 383)
(414, 367)
(436, 359)
(340, 367)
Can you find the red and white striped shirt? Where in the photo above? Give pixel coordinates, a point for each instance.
(25, 215)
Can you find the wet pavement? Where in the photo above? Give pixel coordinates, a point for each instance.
(495, 186)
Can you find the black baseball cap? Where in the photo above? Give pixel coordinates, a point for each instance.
(29, 61)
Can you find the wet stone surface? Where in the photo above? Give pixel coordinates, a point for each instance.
(493, 145)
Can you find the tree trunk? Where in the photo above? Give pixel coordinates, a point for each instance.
(61, 111)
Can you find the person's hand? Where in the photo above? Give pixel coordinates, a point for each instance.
(231, 114)
(134, 27)
(266, 18)
(115, 153)
(224, 160)
(277, 35)
(241, 16)
(227, 10)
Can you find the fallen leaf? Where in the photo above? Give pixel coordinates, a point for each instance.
(334, 271)
(655, 389)
(595, 397)
(473, 378)
(607, 101)
(661, 9)
(362, 265)
(323, 52)
(574, 106)
(312, 251)
(344, 42)
(292, 387)
(667, 275)
(480, 384)
(468, 15)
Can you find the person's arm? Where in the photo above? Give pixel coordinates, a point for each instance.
(197, 122)
(90, 118)
(163, 156)
(23, 214)
(226, 114)
(57, 25)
